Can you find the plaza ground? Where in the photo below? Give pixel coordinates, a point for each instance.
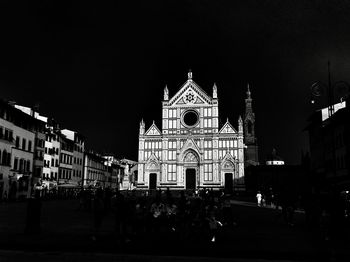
(260, 234)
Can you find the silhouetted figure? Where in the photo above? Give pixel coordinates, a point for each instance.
(107, 199)
(98, 212)
(288, 207)
(157, 211)
(140, 216)
(171, 212)
(227, 217)
(120, 216)
(33, 214)
(213, 224)
(82, 199)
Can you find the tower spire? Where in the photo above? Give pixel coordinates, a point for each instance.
(248, 93)
(249, 130)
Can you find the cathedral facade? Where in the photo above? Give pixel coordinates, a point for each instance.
(191, 150)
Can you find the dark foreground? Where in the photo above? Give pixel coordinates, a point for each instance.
(260, 234)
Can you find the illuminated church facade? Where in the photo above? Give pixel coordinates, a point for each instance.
(191, 150)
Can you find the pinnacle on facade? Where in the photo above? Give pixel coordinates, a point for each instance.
(240, 124)
(215, 91)
(142, 127)
(189, 75)
(166, 93)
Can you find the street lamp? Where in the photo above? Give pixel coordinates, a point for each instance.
(318, 88)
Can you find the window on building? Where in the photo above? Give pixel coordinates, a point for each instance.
(28, 166)
(20, 165)
(17, 141)
(8, 162)
(15, 164)
(29, 145)
(208, 172)
(6, 134)
(171, 172)
(4, 157)
(24, 144)
(11, 135)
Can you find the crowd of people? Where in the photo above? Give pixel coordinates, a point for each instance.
(181, 213)
(205, 213)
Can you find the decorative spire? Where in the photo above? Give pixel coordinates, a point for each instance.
(166, 93)
(240, 124)
(142, 127)
(248, 93)
(189, 75)
(215, 91)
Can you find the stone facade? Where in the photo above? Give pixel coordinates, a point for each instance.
(191, 151)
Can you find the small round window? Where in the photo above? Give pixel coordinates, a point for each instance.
(190, 118)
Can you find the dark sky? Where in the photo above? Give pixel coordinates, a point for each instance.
(100, 67)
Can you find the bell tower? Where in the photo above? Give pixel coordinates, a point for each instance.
(250, 140)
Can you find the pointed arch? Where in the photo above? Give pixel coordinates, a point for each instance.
(228, 164)
(190, 156)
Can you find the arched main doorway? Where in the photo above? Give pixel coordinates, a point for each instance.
(191, 178)
(153, 181)
(228, 183)
(191, 162)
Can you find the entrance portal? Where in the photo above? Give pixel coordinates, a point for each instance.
(228, 182)
(191, 178)
(153, 181)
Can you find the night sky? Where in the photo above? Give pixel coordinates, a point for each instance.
(99, 67)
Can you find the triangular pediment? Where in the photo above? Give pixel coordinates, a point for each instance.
(228, 161)
(227, 129)
(153, 131)
(152, 162)
(189, 144)
(190, 94)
